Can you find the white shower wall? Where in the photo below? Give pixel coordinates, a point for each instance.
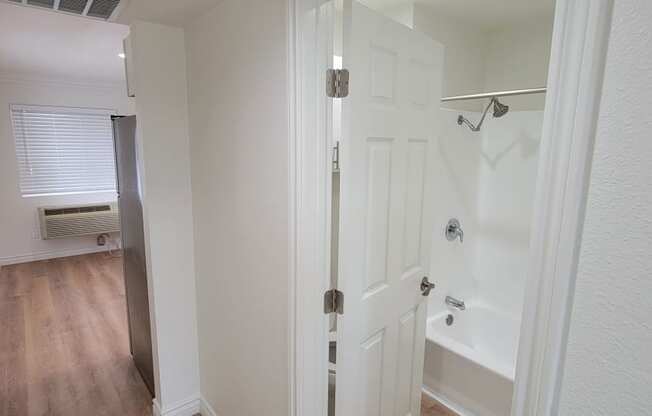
(486, 180)
(506, 180)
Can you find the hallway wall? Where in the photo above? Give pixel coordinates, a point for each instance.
(239, 151)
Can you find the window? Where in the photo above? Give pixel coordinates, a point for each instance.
(63, 150)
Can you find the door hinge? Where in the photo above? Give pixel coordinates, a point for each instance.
(334, 302)
(337, 83)
(336, 157)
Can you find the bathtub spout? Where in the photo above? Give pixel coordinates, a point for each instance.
(455, 303)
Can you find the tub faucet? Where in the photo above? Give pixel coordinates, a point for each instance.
(455, 303)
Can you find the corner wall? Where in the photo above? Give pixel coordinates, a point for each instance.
(237, 66)
(608, 369)
(162, 115)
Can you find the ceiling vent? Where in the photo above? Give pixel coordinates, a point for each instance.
(98, 9)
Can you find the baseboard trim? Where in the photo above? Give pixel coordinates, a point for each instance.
(188, 407)
(47, 255)
(446, 403)
(206, 408)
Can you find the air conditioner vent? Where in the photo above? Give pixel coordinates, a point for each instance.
(99, 9)
(75, 210)
(73, 6)
(103, 8)
(43, 3)
(78, 220)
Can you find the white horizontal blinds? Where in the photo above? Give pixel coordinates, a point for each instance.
(63, 150)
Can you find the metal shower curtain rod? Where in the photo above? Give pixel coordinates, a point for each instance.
(496, 94)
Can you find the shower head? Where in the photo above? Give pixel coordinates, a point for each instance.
(499, 109)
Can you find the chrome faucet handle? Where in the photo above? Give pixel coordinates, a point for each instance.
(454, 230)
(426, 286)
(455, 303)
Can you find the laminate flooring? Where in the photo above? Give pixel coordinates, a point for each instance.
(64, 342)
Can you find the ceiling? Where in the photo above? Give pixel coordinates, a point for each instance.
(482, 13)
(167, 12)
(38, 44)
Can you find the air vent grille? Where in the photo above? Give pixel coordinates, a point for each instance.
(42, 3)
(73, 6)
(75, 210)
(73, 221)
(99, 9)
(103, 8)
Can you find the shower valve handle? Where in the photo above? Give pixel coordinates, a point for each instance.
(426, 286)
(454, 230)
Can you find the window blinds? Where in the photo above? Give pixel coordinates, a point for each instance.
(63, 150)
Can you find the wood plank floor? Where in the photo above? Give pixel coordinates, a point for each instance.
(64, 343)
(431, 407)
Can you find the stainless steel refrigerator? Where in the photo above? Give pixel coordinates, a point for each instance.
(133, 246)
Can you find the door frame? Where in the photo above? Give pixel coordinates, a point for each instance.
(578, 54)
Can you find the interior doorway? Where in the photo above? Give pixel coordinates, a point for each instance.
(75, 336)
(438, 145)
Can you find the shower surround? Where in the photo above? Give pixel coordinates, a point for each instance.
(488, 180)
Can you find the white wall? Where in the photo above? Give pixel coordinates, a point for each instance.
(507, 175)
(488, 58)
(239, 148)
(20, 237)
(162, 121)
(487, 179)
(464, 56)
(608, 369)
(517, 57)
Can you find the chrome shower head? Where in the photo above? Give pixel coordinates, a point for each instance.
(499, 109)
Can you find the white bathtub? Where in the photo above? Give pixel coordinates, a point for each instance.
(470, 364)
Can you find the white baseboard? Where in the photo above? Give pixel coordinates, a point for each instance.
(188, 407)
(206, 408)
(445, 402)
(46, 255)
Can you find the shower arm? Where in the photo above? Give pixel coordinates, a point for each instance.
(461, 119)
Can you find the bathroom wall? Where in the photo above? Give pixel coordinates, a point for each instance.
(608, 368)
(464, 54)
(455, 172)
(507, 174)
(487, 179)
(239, 151)
(516, 57)
(480, 58)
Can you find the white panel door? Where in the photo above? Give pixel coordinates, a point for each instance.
(391, 123)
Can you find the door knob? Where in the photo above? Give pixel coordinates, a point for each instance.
(426, 286)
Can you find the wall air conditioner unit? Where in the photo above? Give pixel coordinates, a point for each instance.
(78, 220)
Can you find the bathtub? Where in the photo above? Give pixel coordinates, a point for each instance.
(470, 365)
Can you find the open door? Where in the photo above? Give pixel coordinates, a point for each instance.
(391, 122)
(133, 247)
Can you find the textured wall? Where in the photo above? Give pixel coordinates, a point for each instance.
(608, 366)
